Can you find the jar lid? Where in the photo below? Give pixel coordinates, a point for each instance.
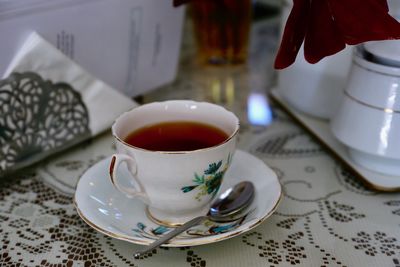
(384, 52)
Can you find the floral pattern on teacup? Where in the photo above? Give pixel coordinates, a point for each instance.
(210, 181)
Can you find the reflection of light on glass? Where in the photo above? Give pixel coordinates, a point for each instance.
(259, 111)
(97, 200)
(105, 212)
(215, 89)
(230, 90)
(223, 89)
(384, 133)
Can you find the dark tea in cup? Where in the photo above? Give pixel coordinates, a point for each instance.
(176, 136)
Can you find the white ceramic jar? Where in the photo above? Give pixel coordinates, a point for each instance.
(368, 119)
(394, 7)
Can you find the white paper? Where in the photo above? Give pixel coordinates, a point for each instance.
(132, 45)
(104, 104)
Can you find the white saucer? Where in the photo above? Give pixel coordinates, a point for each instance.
(108, 211)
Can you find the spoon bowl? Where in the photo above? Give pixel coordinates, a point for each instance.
(232, 202)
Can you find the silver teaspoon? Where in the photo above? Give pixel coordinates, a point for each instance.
(230, 203)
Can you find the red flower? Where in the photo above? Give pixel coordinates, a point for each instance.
(179, 2)
(326, 26)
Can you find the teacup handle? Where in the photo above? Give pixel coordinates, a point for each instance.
(116, 160)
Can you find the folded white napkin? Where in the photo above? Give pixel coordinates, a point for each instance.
(48, 103)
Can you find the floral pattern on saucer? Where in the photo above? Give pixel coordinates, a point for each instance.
(207, 228)
(110, 212)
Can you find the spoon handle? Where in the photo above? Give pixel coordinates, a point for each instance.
(170, 235)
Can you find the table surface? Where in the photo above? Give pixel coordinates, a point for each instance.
(326, 218)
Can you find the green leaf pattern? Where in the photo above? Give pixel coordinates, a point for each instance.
(210, 181)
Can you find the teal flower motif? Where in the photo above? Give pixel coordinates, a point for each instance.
(210, 182)
(142, 230)
(141, 226)
(186, 189)
(213, 168)
(160, 230)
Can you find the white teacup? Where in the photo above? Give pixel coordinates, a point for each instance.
(176, 185)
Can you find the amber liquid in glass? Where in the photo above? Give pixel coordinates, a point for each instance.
(222, 30)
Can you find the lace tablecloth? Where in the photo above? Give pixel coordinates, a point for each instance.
(326, 218)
